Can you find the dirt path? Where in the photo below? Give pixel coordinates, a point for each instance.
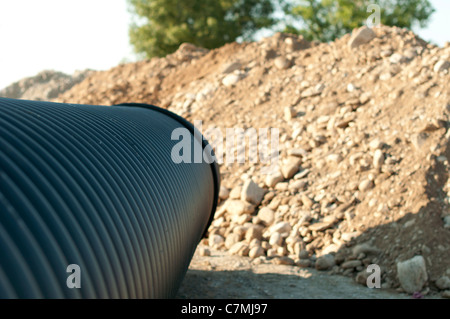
(222, 276)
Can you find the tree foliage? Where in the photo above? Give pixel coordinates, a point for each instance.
(326, 20)
(164, 24)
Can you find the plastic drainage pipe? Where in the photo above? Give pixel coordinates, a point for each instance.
(94, 202)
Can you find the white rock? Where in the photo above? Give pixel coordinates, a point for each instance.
(412, 274)
(362, 36)
(290, 167)
(441, 66)
(256, 252)
(231, 79)
(281, 227)
(378, 158)
(240, 249)
(266, 215)
(204, 251)
(443, 283)
(282, 63)
(365, 185)
(252, 193)
(289, 113)
(239, 207)
(274, 179)
(276, 239)
(224, 193)
(215, 240)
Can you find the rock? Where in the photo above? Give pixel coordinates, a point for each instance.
(256, 252)
(252, 193)
(397, 58)
(418, 140)
(376, 144)
(446, 294)
(253, 232)
(412, 274)
(231, 79)
(321, 226)
(232, 239)
(266, 215)
(282, 260)
(325, 262)
(235, 192)
(281, 227)
(365, 185)
(441, 66)
(334, 158)
(282, 63)
(215, 240)
(447, 221)
(362, 36)
(274, 179)
(224, 193)
(351, 264)
(303, 254)
(361, 277)
(239, 207)
(289, 113)
(240, 249)
(204, 251)
(443, 283)
(365, 249)
(275, 239)
(303, 263)
(290, 167)
(378, 159)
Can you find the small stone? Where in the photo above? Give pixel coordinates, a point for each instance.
(240, 249)
(441, 66)
(204, 251)
(303, 263)
(256, 252)
(275, 239)
(376, 144)
(443, 283)
(281, 227)
(232, 239)
(274, 179)
(349, 236)
(252, 193)
(334, 158)
(361, 277)
(446, 294)
(447, 221)
(351, 264)
(235, 193)
(289, 113)
(412, 274)
(282, 63)
(365, 185)
(291, 167)
(282, 260)
(224, 193)
(325, 262)
(215, 240)
(320, 226)
(266, 215)
(307, 202)
(304, 254)
(397, 58)
(362, 36)
(252, 233)
(231, 79)
(378, 158)
(239, 207)
(418, 140)
(365, 249)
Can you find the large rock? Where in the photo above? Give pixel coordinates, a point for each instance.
(252, 193)
(412, 274)
(291, 167)
(362, 36)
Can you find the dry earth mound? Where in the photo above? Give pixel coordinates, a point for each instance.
(364, 147)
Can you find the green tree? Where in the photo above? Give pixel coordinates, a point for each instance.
(162, 25)
(326, 20)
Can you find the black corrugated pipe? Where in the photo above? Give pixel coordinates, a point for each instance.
(99, 188)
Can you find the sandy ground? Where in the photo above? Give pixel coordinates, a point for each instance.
(222, 276)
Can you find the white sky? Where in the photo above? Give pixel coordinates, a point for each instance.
(69, 35)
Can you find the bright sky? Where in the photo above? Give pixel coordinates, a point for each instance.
(69, 35)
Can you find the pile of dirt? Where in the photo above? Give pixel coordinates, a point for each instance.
(363, 139)
(43, 86)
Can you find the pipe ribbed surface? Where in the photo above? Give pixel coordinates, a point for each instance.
(96, 186)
